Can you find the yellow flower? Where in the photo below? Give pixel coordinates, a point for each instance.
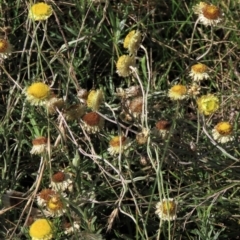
(41, 229)
(118, 144)
(40, 11)
(199, 72)
(166, 209)
(177, 92)
(208, 14)
(5, 48)
(123, 65)
(37, 93)
(222, 132)
(208, 104)
(95, 98)
(56, 206)
(132, 41)
(92, 122)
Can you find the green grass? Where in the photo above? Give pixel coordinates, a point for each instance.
(115, 197)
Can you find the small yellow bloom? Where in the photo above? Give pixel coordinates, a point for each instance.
(38, 93)
(56, 206)
(199, 72)
(208, 104)
(166, 209)
(94, 99)
(123, 65)
(41, 229)
(208, 14)
(132, 41)
(222, 132)
(118, 144)
(5, 48)
(177, 92)
(40, 11)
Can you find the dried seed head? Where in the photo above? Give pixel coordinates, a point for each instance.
(39, 141)
(163, 125)
(58, 177)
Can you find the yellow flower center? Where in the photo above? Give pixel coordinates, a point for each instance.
(40, 9)
(199, 68)
(55, 204)
(40, 229)
(211, 12)
(3, 45)
(208, 104)
(168, 207)
(39, 90)
(179, 89)
(117, 141)
(224, 128)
